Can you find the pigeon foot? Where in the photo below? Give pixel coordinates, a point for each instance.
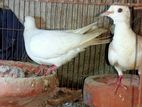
(118, 84)
(43, 70)
(51, 69)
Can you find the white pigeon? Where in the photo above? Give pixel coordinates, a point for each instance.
(125, 50)
(55, 48)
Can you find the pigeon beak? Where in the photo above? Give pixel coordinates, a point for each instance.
(107, 13)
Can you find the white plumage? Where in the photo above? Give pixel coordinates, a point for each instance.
(52, 47)
(125, 50)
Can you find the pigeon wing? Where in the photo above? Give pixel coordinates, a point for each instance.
(50, 44)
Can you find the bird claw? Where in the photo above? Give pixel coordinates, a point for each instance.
(118, 84)
(50, 70)
(41, 69)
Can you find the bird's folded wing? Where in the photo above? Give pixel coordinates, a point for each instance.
(53, 43)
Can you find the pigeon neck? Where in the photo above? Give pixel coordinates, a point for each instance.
(122, 30)
(29, 26)
(122, 26)
(122, 23)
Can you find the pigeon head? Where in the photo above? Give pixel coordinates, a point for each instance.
(118, 13)
(29, 23)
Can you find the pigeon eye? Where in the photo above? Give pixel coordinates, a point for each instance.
(120, 10)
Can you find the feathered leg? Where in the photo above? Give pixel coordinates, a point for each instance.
(118, 82)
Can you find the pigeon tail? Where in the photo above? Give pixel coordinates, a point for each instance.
(90, 37)
(90, 34)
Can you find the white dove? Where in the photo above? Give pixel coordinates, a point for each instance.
(125, 50)
(55, 48)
